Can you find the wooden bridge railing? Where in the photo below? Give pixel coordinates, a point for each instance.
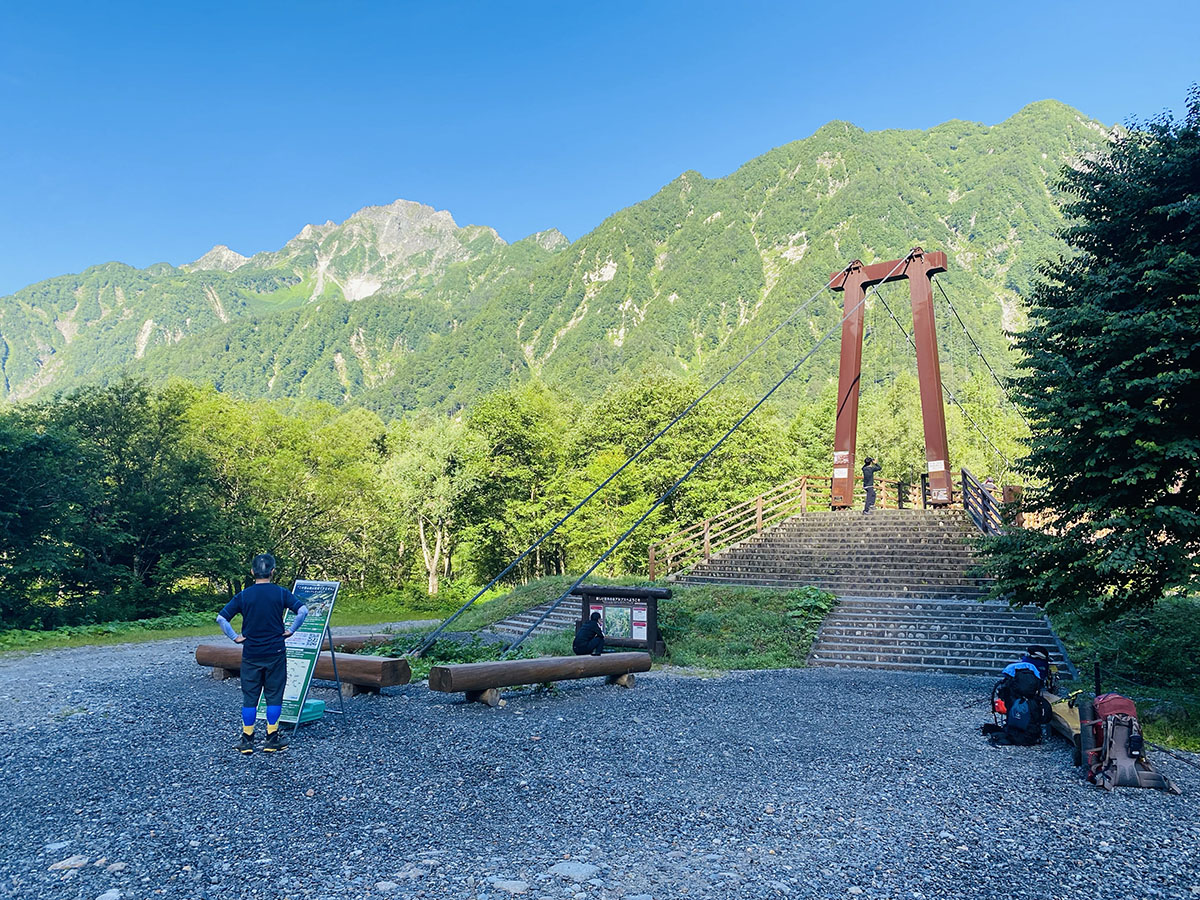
(808, 493)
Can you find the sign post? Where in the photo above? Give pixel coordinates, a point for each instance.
(630, 615)
(304, 647)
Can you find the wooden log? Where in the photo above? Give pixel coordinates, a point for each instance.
(464, 677)
(491, 697)
(353, 643)
(357, 669)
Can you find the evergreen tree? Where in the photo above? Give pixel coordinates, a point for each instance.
(1111, 377)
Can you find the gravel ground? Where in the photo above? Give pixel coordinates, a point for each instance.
(798, 783)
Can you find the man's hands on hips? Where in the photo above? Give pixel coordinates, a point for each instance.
(287, 634)
(240, 639)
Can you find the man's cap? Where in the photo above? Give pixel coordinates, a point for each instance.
(1039, 652)
(263, 565)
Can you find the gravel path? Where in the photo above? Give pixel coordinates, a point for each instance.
(801, 783)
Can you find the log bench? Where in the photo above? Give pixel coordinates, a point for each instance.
(481, 681)
(354, 643)
(361, 674)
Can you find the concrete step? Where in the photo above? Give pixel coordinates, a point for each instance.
(861, 618)
(1009, 650)
(897, 559)
(847, 572)
(991, 662)
(875, 587)
(857, 589)
(560, 619)
(942, 669)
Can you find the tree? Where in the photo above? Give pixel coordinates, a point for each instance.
(300, 484)
(1109, 382)
(431, 480)
(42, 484)
(523, 430)
(148, 516)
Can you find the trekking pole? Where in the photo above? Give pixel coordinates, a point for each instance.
(1170, 752)
(1096, 674)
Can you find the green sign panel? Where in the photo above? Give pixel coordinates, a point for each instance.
(304, 646)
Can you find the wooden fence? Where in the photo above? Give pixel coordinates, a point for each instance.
(808, 493)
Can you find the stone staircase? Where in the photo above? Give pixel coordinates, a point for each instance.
(910, 599)
(948, 636)
(889, 553)
(566, 616)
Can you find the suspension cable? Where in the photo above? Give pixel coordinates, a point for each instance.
(646, 446)
(949, 394)
(674, 487)
(979, 350)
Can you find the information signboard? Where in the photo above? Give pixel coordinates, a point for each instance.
(304, 646)
(629, 615)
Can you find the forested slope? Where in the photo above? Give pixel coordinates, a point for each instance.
(398, 308)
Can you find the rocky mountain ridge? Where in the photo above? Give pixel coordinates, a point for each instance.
(399, 308)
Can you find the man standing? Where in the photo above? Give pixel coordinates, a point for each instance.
(264, 657)
(870, 467)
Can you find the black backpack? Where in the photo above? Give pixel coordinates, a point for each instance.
(1026, 709)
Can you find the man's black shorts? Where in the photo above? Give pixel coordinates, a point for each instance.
(266, 676)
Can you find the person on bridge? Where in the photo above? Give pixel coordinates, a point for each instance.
(589, 637)
(870, 467)
(264, 656)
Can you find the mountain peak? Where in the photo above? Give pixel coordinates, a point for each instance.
(220, 258)
(550, 239)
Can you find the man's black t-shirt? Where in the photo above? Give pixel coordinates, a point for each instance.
(869, 471)
(262, 607)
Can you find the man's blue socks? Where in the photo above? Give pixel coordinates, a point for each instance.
(249, 713)
(273, 714)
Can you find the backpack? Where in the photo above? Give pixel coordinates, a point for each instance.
(1112, 746)
(1025, 710)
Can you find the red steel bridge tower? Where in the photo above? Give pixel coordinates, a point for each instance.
(918, 267)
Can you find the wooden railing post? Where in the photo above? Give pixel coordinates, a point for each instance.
(804, 495)
(707, 545)
(651, 562)
(758, 509)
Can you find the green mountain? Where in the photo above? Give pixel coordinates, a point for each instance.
(397, 308)
(277, 322)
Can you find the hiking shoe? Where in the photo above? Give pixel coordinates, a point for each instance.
(245, 744)
(275, 742)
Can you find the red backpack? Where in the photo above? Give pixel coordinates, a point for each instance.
(1112, 745)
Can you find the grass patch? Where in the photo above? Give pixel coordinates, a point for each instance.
(713, 627)
(725, 627)
(182, 624)
(446, 651)
(351, 609)
(489, 610)
(1152, 656)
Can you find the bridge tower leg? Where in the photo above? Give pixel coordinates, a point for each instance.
(845, 429)
(918, 267)
(929, 374)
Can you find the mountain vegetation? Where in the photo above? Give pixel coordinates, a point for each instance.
(397, 309)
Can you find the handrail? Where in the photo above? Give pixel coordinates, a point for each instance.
(981, 505)
(750, 518)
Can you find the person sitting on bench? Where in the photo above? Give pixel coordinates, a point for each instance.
(589, 637)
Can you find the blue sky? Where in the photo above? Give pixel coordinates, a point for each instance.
(150, 132)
